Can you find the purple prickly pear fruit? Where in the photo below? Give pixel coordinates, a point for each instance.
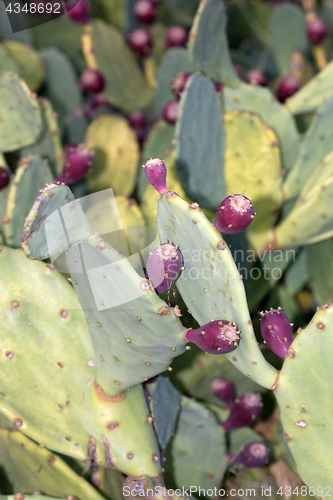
(100, 101)
(145, 11)
(137, 119)
(288, 86)
(244, 411)
(91, 81)
(218, 87)
(317, 31)
(170, 112)
(234, 214)
(256, 77)
(216, 337)
(276, 331)
(141, 42)
(4, 178)
(141, 135)
(224, 390)
(80, 13)
(254, 454)
(155, 171)
(176, 37)
(78, 161)
(178, 83)
(163, 266)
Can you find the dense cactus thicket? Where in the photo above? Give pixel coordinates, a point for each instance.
(166, 256)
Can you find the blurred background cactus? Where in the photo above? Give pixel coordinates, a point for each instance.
(100, 395)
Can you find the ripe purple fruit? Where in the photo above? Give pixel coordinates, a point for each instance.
(244, 411)
(254, 454)
(289, 85)
(218, 87)
(176, 37)
(234, 214)
(145, 11)
(100, 101)
(91, 81)
(78, 161)
(80, 13)
(170, 112)
(178, 83)
(276, 331)
(317, 31)
(216, 337)
(4, 178)
(256, 77)
(140, 42)
(137, 119)
(224, 390)
(155, 171)
(163, 266)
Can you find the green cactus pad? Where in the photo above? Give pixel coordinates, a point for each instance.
(116, 155)
(262, 102)
(287, 25)
(190, 464)
(47, 345)
(246, 171)
(174, 61)
(29, 63)
(105, 50)
(61, 86)
(320, 266)
(6, 62)
(311, 216)
(305, 412)
(297, 274)
(75, 128)
(38, 241)
(208, 46)
(30, 468)
(165, 405)
(158, 145)
(309, 97)
(316, 144)
(200, 142)
(20, 117)
(48, 144)
(32, 174)
(210, 284)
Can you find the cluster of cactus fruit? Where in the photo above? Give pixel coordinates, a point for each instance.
(147, 314)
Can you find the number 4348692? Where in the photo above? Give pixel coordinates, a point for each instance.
(304, 491)
(34, 8)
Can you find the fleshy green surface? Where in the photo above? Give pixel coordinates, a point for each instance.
(252, 167)
(261, 101)
(105, 50)
(210, 284)
(309, 97)
(32, 174)
(46, 344)
(287, 27)
(116, 155)
(303, 394)
(317, 143)
(48, 144)
(29, 63)
(20, 117)
(200, 142)
(30, 468)
(208, 46)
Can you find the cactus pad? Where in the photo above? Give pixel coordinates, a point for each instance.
(305, 416)
(19, 113)
(29, 63)
(116, 155)
(208, 46)
(200, 142)
(105, 50)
